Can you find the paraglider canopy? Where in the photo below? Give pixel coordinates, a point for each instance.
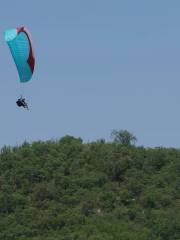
(20, 45)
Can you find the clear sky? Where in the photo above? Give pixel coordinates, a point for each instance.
(100, 65)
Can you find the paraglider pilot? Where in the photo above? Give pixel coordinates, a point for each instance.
(21, 102)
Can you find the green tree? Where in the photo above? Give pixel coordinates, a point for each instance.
(123, 137)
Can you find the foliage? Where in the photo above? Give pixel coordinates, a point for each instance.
(123, 137)
(70, 190)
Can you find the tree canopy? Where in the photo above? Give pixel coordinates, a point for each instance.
(70, 190)
(123, 137)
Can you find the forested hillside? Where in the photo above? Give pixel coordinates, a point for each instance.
(70, 190)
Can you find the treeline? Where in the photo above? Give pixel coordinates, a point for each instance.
(70, 190)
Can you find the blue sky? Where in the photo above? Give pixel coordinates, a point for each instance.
(100, 65)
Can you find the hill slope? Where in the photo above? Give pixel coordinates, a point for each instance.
(69, 190)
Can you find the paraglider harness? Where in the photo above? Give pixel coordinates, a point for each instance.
(21, 102)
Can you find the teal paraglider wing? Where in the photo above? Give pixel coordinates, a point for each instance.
(20, 44)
